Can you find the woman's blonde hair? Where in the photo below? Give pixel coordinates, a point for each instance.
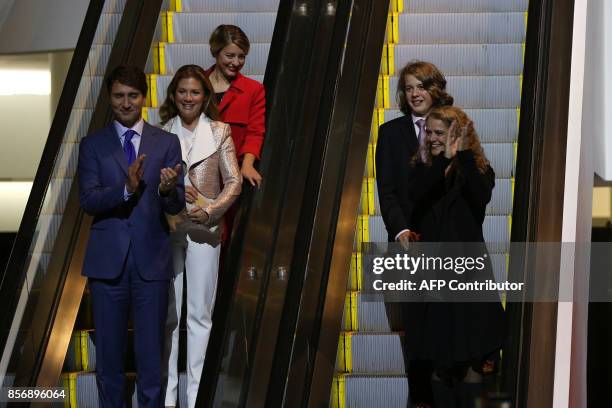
(227, 34)
(448, 115)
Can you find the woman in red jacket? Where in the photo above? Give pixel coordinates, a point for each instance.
(241, 100)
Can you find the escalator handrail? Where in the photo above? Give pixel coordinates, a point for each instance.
(15, 272)
(137, 27)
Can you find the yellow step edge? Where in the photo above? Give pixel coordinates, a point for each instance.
(164, 25)
(400, 6)
(162, 58)
(348, 353)
(72, 391)
(523, 52)
(170, 27)
(339, 392)
(354, 311)
(381, 116)
(370, 184)
(153, 90)
(359, 262)
(384, 60)
(395, 27)
(145, 113)
(509, 227)
(386, 93)
(159, 58)
(363, 230)
(370, 161)
(334, 403)
(347, 311)
(512, 189)
(518, 118)
(353, 273)
(390, 28)
(525, 18)
(84, 351)
(176, 5)
(393, 6)
(391, 59)
(515, 152)
(521, 84)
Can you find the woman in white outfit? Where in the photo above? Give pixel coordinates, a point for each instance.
(212, 183)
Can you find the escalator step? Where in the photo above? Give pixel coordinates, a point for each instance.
(464, 59)
(490, 92)
(371, 315)
(107, 28)
(218, 6)
(98, 57)
(364, 391)
(83, 389)
(496, 229)
(372, 353)
(462, 28)
(88, 92)
(197, 27)
(464, 6)
(501, 201)
(178, 55)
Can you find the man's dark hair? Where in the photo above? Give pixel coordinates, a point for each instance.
(128, 75)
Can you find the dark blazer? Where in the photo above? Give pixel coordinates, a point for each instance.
(452, 210)
(243, 107)
(397, 144)
(138, 222)
(450, 207)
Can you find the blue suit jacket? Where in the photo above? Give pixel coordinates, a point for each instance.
(138, 223)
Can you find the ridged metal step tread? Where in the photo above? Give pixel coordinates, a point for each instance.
(462, 28)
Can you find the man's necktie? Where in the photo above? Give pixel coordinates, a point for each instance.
(421, 124)
(128, 146)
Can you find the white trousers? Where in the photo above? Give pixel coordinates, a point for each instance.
(199, 265)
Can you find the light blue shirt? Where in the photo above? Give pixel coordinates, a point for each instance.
(120, 129)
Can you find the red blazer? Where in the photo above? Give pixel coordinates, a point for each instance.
(243, 107)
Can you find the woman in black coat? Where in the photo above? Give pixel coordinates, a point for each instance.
(450, 187)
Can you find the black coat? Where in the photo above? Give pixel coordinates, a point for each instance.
(451, 208)
(397, 144)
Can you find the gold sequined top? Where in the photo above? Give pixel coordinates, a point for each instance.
(214, 172)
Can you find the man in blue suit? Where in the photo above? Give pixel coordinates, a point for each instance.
(129, 175)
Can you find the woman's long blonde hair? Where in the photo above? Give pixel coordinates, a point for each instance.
(448, 114)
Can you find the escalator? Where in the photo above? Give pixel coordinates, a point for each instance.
(289, 325)
(180, 36)
(479, 46)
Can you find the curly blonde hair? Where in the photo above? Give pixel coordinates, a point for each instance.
(448, 115)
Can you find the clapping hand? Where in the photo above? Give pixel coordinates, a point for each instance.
(135, 172)
(168, 178)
